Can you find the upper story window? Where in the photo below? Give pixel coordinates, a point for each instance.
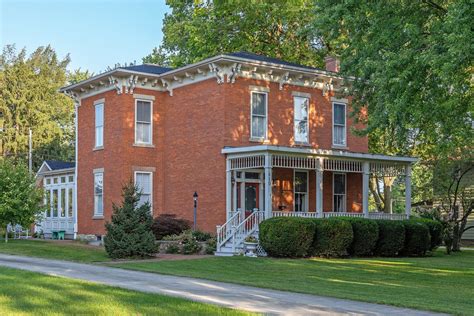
(98, 194)
(143, 122)
(339, 124)
(258, 125)
(143, 181)
(99, 125)
(301, 106)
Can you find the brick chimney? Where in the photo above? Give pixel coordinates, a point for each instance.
(332, 63)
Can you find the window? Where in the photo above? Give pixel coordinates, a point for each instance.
(98, 194)
(143, 181)
(339, 124)
(99, 125)
(63, 203)
(258, 125)
(301, 119)
(143, 122)
(71, 179)
(47, 202)
(339, 189)
(301, 191)
(54, 205)
(70, 202)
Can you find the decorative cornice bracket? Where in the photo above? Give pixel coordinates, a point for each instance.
(115, 82)
(168, 86)
(285, 78)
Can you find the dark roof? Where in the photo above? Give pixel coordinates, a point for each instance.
(147, 68)
(262, 58)
(59, 165)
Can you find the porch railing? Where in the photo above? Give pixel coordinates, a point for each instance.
(339, 214)
(296, 214)
(246, 228)
(377, 215)
(225, 232)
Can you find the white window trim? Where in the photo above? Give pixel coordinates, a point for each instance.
(294, 119)
(345, 191)
(95, 124)
(97, 215)
(307, 189)
(151, 185)
(345, 125)
(137, 143)
(265, 137)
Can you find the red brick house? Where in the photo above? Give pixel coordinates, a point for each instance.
(254, 136)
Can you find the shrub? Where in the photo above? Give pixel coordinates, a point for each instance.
(201, 236)
(332, 238)
(417, 238)
(172, 249)
(190, 244)
(366, 234)
(436, 231)
(129, 233)
(286, 236)
(391, 238)
(211, 246)
(168, 224)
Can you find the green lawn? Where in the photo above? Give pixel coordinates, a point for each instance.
(27, 293)
(439, 283)
(53, 250)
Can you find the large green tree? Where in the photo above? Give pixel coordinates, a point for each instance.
(413, 63)
(29, 99)
(197, 29)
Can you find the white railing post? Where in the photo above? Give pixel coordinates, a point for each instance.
(407, 190)
(319, 187)
(365, 188)
(228, 189)
(268, 185)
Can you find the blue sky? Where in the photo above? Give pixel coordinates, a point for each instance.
(96, 34)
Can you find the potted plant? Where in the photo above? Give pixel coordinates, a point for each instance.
(250, 244)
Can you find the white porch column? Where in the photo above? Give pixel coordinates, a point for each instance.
(228, 189)
(319, 187)
(365, 188)
(408, 190)
(268, 185)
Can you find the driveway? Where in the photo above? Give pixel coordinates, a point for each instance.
(218, 293)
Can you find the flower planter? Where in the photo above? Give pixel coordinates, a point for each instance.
(250, 249)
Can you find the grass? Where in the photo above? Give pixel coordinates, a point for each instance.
(28, 293)
(439, 283)
(54, 250)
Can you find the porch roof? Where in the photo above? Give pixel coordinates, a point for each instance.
(237, 151)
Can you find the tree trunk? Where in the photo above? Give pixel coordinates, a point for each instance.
(6, 235)
(456, 231)
(378, 201)
(387, 193)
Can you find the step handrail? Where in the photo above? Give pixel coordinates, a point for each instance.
(247, 227)
(225, 232)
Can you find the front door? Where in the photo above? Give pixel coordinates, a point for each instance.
(250, 197)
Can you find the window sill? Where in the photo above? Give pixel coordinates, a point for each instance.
(144, 145)
(340, 147)
(98, 217)
(98, 148)
(302, 144)
(258, 140)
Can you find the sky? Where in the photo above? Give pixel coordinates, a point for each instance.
(96, 33)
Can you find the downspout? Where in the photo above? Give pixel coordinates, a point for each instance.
(76, 119)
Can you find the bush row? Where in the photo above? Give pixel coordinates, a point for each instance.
(343, 236)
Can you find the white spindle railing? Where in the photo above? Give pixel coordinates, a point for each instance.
(295, 214)
(247, 227)
(339, 214)
(378, 215)
(226, 231)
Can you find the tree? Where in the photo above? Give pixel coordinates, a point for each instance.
(20, 198)
(29, 98)
(413, 67)
(130, 234)
(199, 29)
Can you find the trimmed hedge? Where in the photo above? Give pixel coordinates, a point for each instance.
(286, 236)
(366, 234)
(436, 231)
(332, 238)
(417, 238)
(391, 238)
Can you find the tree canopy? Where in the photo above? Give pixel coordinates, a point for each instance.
(29, 98)
(195, 30)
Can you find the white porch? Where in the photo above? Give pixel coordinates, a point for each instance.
(254, 186)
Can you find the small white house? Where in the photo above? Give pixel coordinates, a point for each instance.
(58, 181)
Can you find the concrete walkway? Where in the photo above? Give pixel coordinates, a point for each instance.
(224, 294)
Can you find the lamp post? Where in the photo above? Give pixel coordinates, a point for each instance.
(195, 198)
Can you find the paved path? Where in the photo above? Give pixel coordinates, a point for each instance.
(224, 294)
